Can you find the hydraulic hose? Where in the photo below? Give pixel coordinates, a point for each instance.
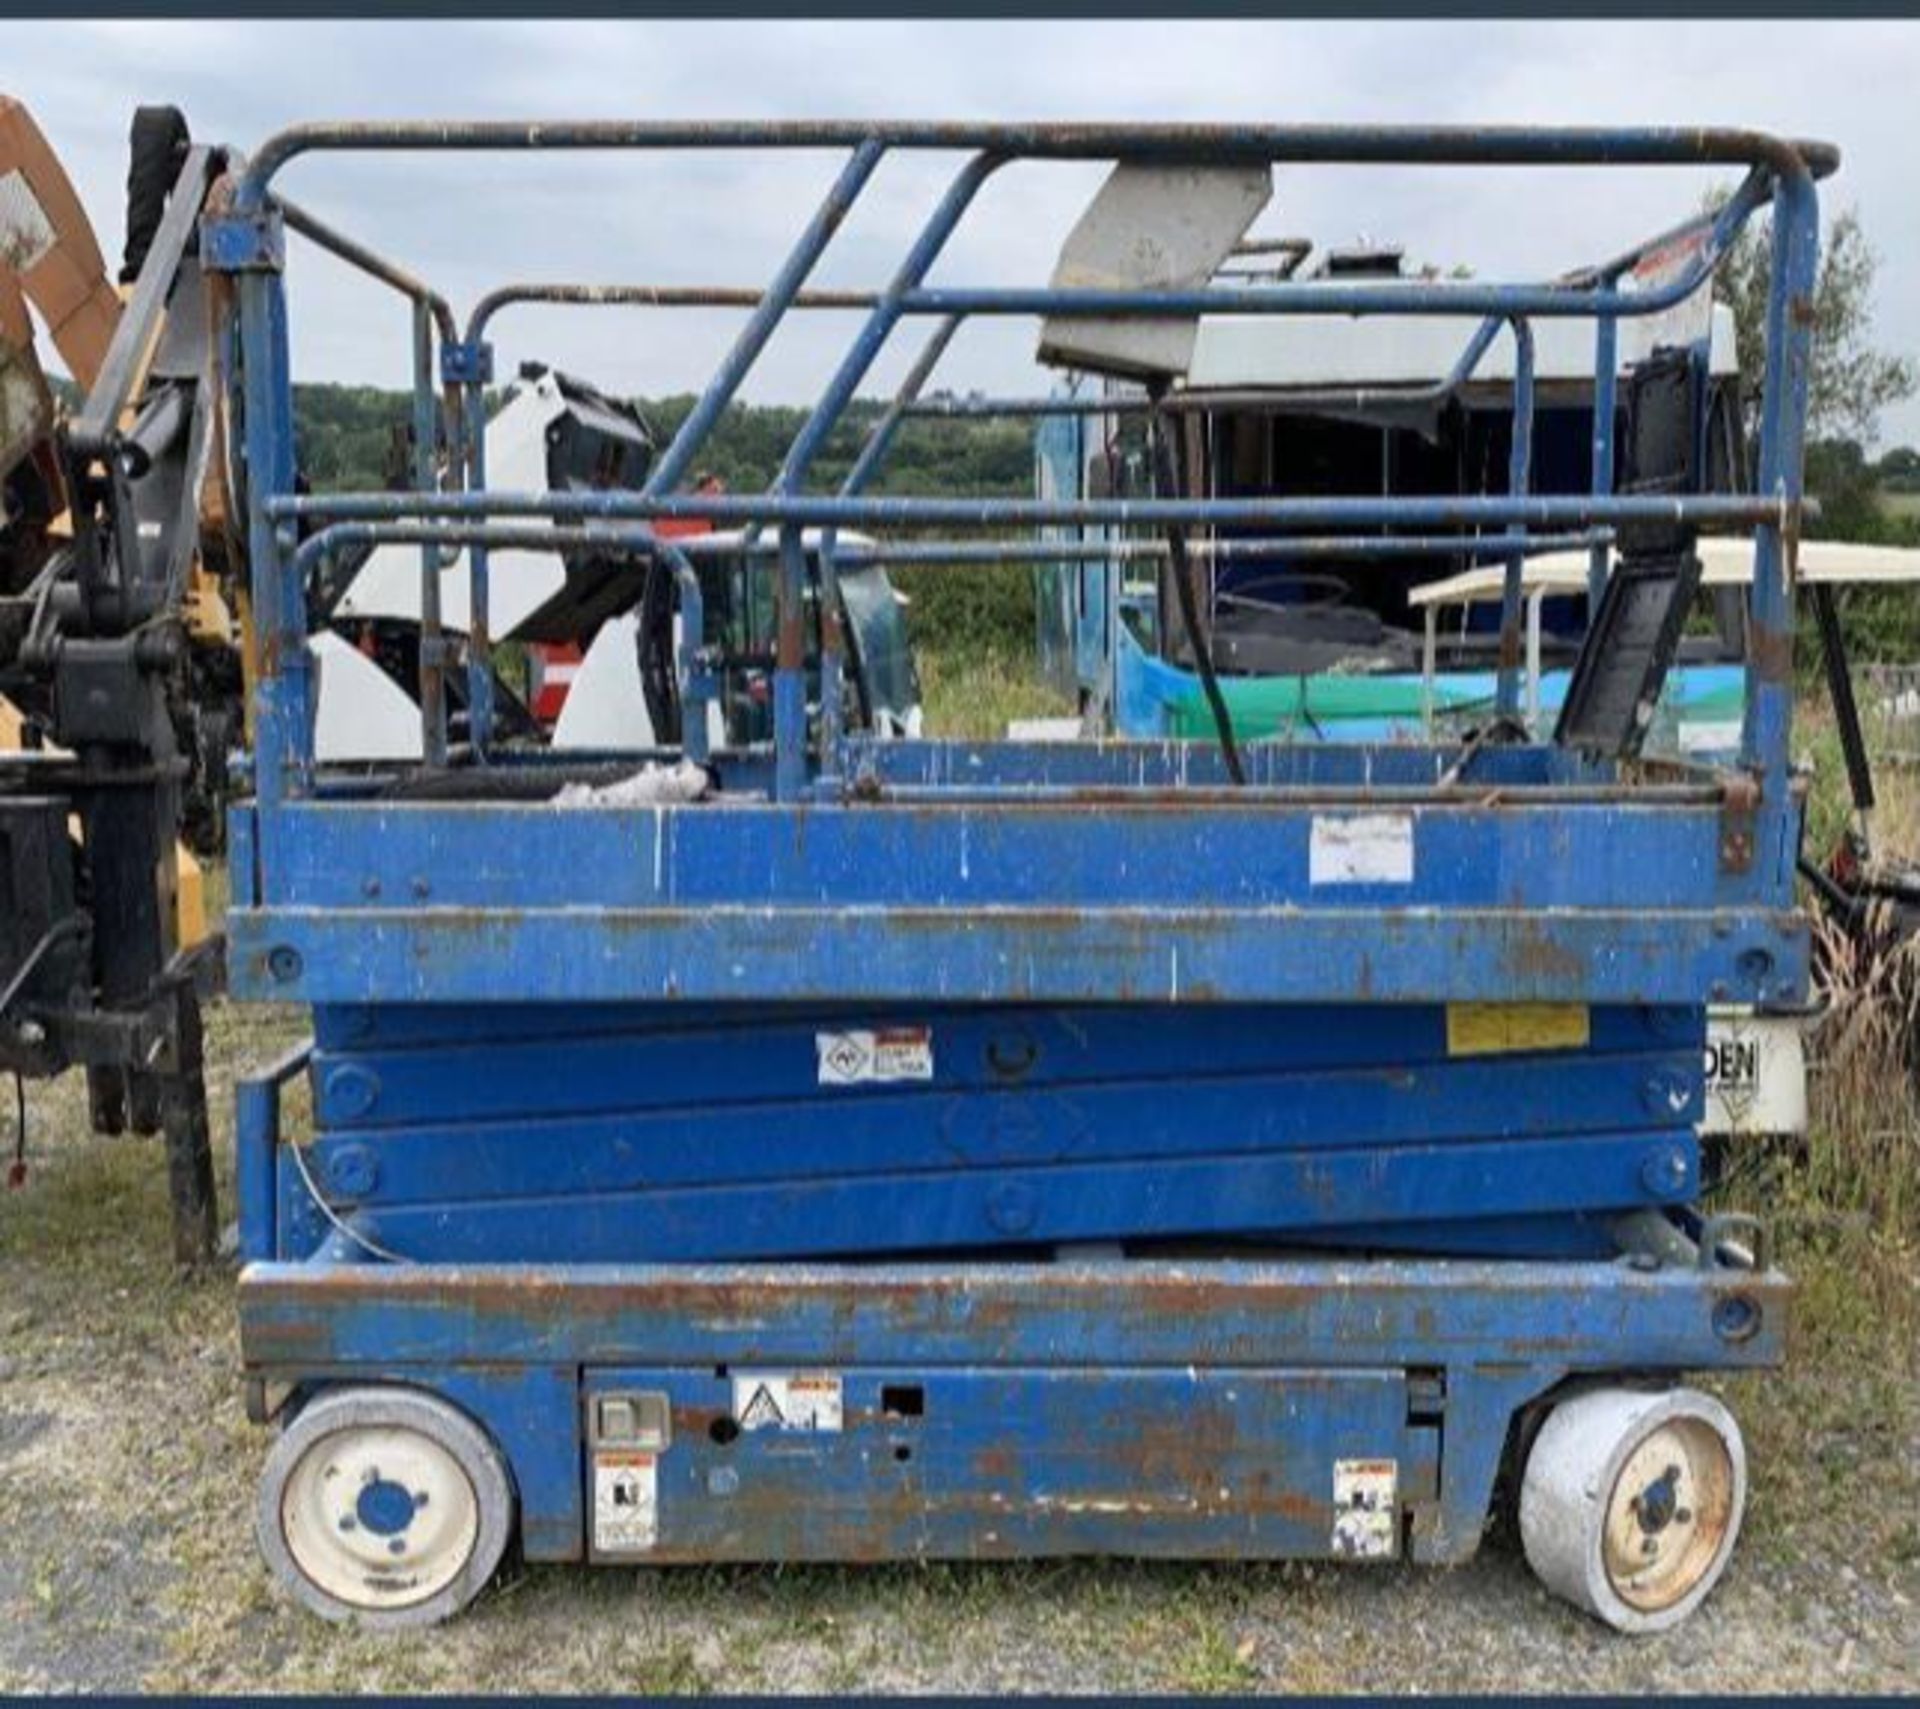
(1166, 479)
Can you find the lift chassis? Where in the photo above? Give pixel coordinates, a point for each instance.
(919, 1148)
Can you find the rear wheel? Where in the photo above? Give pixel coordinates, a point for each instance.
(384, 1506)
(1631, 1503)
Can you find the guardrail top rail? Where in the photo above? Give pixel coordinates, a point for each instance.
(1611, 847)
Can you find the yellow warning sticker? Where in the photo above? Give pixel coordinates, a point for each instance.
(1491, 1029)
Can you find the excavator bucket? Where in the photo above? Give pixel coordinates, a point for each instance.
(26, 406)
(47, 244)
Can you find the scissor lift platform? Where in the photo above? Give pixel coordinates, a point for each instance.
(892, 1148)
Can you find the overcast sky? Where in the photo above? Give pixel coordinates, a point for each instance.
(473, 222)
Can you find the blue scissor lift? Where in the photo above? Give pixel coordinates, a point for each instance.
(928, 1148)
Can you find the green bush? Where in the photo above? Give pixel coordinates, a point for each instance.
(969, 611)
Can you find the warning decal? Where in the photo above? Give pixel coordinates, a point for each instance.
(626, 1503)
(1365, 1508)
(875, 1058)
(803, 1400)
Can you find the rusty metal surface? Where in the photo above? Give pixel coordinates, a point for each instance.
(1331, 1313)
(1436, 145)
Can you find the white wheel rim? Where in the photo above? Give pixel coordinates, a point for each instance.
(379, 1517)
(1669, 1515)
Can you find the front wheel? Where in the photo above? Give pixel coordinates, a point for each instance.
(1631, 1502)
(384, 1506)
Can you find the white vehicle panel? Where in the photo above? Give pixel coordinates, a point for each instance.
(518, 582)
(1403, 350)
(361, 713)
(606, 706)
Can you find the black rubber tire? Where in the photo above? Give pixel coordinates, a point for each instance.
(157, 149)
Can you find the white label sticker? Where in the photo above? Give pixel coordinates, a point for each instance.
(1366, 1508)
(626, 1503)
(787, 1400)
(1362, 848)
(875, 1058)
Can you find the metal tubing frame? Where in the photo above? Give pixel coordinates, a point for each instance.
(1379, 145)
(283, 694)
(907, 402)
(806, 252)
(256, 1138)
(678, 553)
(433, 694)
(368, 261)
(676, 296)
(386, 272)
(1606, 357)
(1519, 476)
(1766, 730)
(1331, 546)
(1562, 883)
(479, 612)
(1779, 171)
(696, 684)
(577, 295)
(432, 314)
(789, 679)
(818, 510)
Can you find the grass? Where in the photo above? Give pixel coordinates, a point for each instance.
(972, 695)
(1863, 1161)
(1844, 1415)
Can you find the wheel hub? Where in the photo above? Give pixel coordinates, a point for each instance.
(1668, 1513)
(1658, 1504)
(380, 1517)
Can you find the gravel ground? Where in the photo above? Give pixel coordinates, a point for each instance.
(126, 1556)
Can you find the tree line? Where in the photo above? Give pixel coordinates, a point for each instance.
(354, 437)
